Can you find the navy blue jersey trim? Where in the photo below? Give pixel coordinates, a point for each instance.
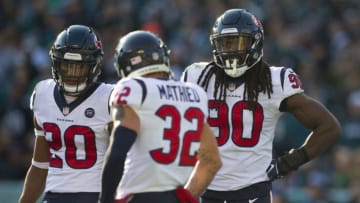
(185, 76)
(109, 105)
(282, 77)
(144, 90)
(61, 101)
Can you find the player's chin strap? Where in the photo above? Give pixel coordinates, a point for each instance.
(122, 140)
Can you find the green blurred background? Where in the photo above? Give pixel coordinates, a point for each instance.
(319, 39)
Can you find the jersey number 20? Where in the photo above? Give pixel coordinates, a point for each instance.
(85, 133)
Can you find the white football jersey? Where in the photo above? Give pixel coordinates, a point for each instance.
(77, 135)
(245, 137)
(171, 115)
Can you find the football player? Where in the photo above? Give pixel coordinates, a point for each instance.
(246, 98)
(72, 122)
(160, 129)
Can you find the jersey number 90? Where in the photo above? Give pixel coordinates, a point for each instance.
(236, 132)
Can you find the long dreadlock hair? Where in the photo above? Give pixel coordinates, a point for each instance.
(257, 80)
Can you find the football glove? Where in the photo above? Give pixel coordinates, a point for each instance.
(291, 161)
(273, 171)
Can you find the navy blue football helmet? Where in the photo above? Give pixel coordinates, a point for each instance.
(237, 41)
(76, 57)
(139, 53)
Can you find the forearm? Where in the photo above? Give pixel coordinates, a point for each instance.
(208, 164)
(325, 128)
(198, 182)
(201, 177)
(319, 140)
(111, 175)
(34, 185)
(122, 140)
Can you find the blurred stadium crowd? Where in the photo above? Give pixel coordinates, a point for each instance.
(320, 39)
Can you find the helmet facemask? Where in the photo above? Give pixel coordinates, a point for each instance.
(237, 41)
(74, 74)
(76, 57)
(74, 77)
(236, 53)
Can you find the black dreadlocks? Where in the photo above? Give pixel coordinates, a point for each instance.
(257, 79)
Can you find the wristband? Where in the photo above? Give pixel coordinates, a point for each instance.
(38, 132)
(42, 165)
(292, 160)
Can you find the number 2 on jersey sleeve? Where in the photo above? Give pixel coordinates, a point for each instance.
(119, 97)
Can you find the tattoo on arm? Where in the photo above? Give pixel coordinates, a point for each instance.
(118, 113)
